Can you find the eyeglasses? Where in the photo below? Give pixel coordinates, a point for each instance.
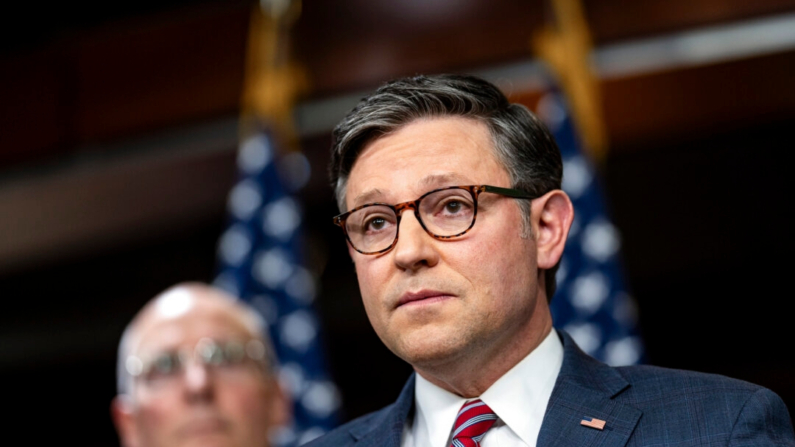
(443, 213)
(231, 358)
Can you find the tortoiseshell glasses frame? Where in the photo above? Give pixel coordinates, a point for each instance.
(462, 227)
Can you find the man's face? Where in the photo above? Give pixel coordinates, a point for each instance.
(202, 406)
(432, 302)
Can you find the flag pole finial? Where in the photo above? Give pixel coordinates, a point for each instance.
(566, 46)
(273, 81)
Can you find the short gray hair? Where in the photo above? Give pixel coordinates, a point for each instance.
(522, 143)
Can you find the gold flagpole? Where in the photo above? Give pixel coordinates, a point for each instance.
(272, 81)
(566, 47)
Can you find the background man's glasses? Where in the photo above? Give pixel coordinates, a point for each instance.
(444, 214)
(224, 358)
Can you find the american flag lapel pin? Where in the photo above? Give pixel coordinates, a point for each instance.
(593, 423)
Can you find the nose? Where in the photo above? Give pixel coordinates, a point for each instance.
(198, 382)
(415, 248)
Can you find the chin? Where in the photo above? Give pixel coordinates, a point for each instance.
(207, 438)
(430, 351)
(209, 441)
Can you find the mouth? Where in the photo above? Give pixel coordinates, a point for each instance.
(204, 426)
(422, 297)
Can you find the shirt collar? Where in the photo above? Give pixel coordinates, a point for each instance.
(519, 397)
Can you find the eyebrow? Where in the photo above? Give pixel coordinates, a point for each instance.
(367, 197)
(446, 179)
(430, 182)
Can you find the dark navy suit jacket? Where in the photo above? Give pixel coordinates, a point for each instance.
(642, 406)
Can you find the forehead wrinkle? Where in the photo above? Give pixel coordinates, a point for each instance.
(428, 182)
(444, 179)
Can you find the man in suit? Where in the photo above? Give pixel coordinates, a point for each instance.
(455, 222)
(195, 369)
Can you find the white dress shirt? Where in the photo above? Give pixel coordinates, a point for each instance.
(519, 398)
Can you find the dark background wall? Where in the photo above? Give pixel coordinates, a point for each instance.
(117, 152)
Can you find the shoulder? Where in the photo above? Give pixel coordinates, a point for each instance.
(371, 429)
(673, 387)
(707, 404)
(651, 378)
(348, 433)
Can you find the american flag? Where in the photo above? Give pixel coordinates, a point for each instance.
(591, 303)
(260, 261)
(593, 423)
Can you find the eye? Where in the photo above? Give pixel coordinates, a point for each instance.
(453, 206)
(162, 367)
(375, 224)
(165, 364)
(374, 220)
(234, 353)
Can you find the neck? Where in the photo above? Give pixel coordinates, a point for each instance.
(475, 371)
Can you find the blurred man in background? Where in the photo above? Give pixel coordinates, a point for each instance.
(195, 368)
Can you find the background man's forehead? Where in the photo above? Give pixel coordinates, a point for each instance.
(166, 332)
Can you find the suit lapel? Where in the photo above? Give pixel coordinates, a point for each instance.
(585, 388)
(386, 429)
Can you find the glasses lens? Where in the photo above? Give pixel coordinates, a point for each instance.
(210, 353)
(234, 352)
(372, 228)
(163, 368)
(448, 212)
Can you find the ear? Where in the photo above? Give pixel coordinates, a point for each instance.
(280, 413)
(123, 415)
(553, 214)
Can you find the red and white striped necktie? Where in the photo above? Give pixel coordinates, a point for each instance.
(471, 424)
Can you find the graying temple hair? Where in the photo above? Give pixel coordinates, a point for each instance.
(249, 317)
(522, 143)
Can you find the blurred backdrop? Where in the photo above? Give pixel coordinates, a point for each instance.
(119, 131)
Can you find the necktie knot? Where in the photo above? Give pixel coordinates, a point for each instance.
(471, 424)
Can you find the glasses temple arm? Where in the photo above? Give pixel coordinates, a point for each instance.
(509, 192)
